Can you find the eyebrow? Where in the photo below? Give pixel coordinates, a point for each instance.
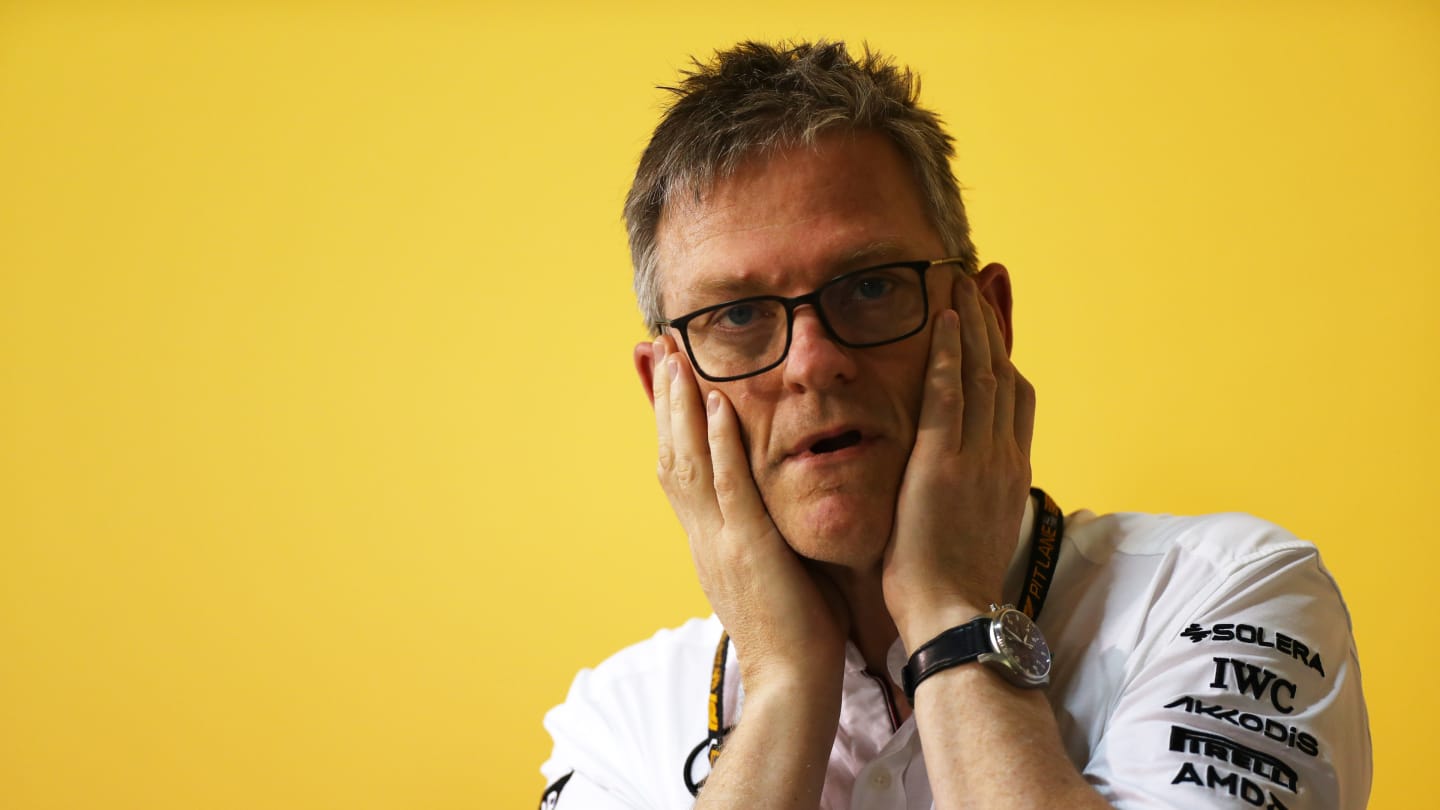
(727, 289)
(878, 251)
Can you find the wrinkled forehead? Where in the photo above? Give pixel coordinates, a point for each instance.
(785, 222)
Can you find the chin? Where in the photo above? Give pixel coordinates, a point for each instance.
(835, 530)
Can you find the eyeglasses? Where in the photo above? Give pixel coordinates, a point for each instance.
(860, 309)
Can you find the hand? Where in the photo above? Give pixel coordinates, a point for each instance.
(963, 494)
(787, 625)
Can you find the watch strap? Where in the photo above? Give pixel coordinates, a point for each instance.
(958, 645)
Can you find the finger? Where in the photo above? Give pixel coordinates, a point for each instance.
(978, 422)
(1024, 413)
(1004, 371)
(735, 491)
(660, 387)
(944, 396)
(691, 476)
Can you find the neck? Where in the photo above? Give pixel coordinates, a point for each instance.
(871, 628)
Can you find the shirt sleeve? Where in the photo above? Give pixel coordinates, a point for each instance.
(588, 764)
(1254, 699)
(632, 732)
(573, 790)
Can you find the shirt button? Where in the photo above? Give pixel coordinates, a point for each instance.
(880, 779)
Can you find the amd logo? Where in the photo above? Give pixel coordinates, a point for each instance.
(1257, 682)
(1232, 783)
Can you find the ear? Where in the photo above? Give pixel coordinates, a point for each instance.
(645, 367)
(993, 282)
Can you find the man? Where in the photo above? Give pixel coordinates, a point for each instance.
(846, 443)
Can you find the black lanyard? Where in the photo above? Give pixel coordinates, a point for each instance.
(1045, 537)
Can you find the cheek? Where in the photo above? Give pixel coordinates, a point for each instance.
(754, 412)
(905, 384)
(915, 398)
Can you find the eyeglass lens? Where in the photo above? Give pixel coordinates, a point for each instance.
(862, 309)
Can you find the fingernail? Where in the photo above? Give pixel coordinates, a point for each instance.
(674, 365)
(952, 318)
(712, 403)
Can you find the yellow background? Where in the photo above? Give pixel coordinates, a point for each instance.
(322, 464)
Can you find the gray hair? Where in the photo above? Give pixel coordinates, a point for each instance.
(757, 99)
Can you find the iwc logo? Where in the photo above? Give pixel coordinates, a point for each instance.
(1258, 683)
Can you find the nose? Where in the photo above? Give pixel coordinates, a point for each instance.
(815, 361)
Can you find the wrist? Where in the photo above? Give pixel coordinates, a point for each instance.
(920, 626)
(802, 703)
(1003, 640)
(800, 683)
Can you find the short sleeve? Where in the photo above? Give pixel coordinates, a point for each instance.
(588, 765)
(574, 790)
(1254, 699)
(629, 730)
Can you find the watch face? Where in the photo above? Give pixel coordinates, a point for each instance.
(1019, 640)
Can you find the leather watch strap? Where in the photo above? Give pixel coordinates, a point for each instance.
(958, 645)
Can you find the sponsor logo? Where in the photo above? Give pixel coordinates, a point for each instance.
(1250, 634)
(1042, 560)
(1257, 682)
(1189, 741)
(552, 793)
(1291, 736)
(1232, 783)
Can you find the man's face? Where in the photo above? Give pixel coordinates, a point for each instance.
(784, 226)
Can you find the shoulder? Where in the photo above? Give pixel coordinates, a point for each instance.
(667, 653)
(1174, 564)
(664, 670)
(1231, 664)
(1223, 539)
(1150, 581)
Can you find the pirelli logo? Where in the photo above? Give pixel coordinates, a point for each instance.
(1213, 746)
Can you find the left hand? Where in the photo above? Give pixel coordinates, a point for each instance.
(963, 494)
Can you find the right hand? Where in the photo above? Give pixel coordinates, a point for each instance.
(789, 626)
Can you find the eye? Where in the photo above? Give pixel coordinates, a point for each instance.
(871, 288)
(741, 317)
(738, 315)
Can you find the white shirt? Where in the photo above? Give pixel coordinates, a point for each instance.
(1198, 662)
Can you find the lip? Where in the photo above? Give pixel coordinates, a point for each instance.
(800, 451)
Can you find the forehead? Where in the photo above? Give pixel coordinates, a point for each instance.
(787, 222)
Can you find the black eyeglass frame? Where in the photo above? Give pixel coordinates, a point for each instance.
(812, 298)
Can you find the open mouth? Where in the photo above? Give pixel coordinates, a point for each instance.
(849, 438)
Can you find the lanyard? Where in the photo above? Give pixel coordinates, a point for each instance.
(1045, 537)
(1045, 540)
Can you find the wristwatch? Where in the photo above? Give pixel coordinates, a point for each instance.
(1003, 639)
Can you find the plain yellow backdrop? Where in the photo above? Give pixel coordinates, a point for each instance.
(322, 464)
